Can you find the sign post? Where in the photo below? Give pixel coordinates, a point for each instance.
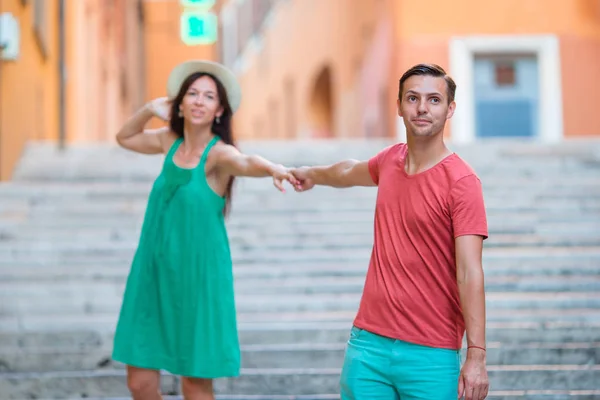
(198, 25)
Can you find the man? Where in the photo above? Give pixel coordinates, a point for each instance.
(424, 284)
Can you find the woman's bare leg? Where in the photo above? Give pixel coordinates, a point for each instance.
(144, 384)
(197, 389)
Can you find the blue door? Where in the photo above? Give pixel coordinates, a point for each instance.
(506, 96)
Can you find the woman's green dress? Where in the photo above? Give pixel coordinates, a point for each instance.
(178, 311)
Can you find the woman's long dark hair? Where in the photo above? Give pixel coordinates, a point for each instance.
(221, 129)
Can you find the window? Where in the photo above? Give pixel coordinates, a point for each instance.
(505, 74)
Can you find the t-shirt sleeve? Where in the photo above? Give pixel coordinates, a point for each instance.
(376, 162)
(468, 208)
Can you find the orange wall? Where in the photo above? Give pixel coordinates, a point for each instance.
(423, 32)
(163, 46)
(28, 87)
(461, 17)
(581, 82)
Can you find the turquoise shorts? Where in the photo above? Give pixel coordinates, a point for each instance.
(380, 368)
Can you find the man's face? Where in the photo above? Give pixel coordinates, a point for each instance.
(424, 105)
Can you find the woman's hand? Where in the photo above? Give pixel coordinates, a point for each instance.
(161, 108)
(133, 135)
(280, 174)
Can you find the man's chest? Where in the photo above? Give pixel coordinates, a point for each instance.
(414, 203)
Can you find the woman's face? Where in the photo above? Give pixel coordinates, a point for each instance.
(201, 104)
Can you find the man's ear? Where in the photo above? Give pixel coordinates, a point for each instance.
(451, 109)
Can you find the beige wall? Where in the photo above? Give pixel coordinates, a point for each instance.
(305, 39)
(105, 67)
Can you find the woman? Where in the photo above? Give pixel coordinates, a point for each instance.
(178, 311)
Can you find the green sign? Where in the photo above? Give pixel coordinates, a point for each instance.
(198, 28)
(204, 4)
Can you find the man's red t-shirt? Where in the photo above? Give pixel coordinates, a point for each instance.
(411, 292)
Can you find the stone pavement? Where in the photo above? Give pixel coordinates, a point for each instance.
(69, 225)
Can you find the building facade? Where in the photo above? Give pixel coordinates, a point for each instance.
(308, 68)
(73, 70)
(313, 69)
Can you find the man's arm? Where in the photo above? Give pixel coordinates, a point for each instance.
(469, 275)
(343, 174)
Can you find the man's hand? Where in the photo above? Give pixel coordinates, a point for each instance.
(303, 182)
(280, 174)
(473, 381)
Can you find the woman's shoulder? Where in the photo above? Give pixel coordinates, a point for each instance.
(221, 147)
(167, 138)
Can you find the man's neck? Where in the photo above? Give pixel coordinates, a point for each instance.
(424, 153)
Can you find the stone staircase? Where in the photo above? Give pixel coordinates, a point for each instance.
(69, 224)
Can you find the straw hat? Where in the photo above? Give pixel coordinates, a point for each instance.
(223, 74)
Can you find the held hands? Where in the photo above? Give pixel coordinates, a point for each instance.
(473, 383)
(303, 181)
(297, 177)
(161, 108)
(280, 174)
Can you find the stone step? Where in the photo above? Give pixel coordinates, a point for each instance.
(47, 207)
(307, 204)
(27, 234)
(87, 201)
(111, 167)
(43, 193)
(261, 256)
(283, 333)
(543, 269)
(40, 195)
(359, 222)
(294, 355)
(551, 225)
(107, 321)
(295, 381)
(294, 284)
(304, 242)
(530, 177)
(77, 300)
(493, 395)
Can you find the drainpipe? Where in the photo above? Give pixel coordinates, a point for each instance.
(61, 76)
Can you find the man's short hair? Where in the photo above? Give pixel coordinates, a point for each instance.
(429, 70)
